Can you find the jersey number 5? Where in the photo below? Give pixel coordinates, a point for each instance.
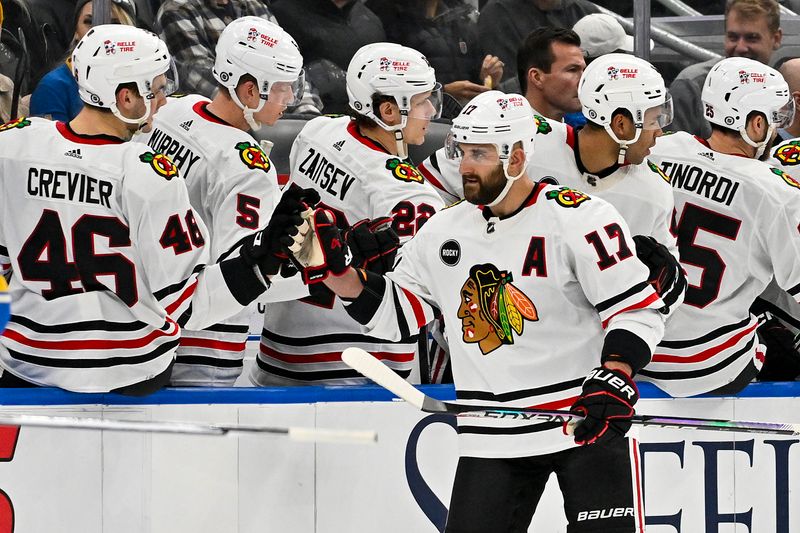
(694, 219)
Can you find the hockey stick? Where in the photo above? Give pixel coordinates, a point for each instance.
(189, 428)
(381, 374)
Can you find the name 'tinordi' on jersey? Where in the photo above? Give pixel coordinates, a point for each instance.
(106, 257)
(356, 178)
(526, 301)
(737, 225)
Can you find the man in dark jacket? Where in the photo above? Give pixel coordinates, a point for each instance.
(503, 24)
(329, 32)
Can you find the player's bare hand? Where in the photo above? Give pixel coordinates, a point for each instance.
(464, 90)
(492, 68)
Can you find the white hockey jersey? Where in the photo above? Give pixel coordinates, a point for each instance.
(641, 193)
(106, 257)
(737, 226)
(526, 300)
(233, 185)
(356, 178)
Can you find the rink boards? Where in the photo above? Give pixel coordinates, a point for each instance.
(64, 481)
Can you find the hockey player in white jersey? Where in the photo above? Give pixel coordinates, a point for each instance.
(105, 254)
(231, 181)
(540, 288)
(627, 104)
(737, 227)
(361, 170)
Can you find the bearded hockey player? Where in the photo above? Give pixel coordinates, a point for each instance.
(231, 181)
(736, 222)
(626, 103)
(516, 266)
(361, 170)
(106, 254)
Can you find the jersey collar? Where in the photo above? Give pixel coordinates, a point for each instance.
(352, 129)
(572, 140)
(69, 134)
(201, 108)
(704, 142)
(529, 201)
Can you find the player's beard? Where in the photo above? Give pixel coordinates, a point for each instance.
(483, 190)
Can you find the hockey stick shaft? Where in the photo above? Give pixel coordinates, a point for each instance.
(304, 434)
(381, 374)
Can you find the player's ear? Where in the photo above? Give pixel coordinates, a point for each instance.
(248, 94)
(389, 113)
(622, 126)
(517, 159)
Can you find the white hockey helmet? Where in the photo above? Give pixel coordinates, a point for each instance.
(738, 86)
(113, 54)
(623, 81)
(498, 119)
(391, 70)
(264, 50)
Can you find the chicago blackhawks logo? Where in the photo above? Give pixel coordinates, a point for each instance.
(162, 164)
(15, 124)
(253, 156)
(492, 309)
(657, 169)
(542, 126)
(566, 197)
(404, 171)
(786, 177)
(789, 154)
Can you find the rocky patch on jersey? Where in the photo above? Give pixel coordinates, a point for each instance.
(786, 177)
(403, 170)
(567, 197)
(253, 156)
(789, 153)
(162, 164)
(542, 126)
(15, 124)
(657, 169)
(492, 309)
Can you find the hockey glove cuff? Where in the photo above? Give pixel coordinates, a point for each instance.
(606, 403)
(666, 274)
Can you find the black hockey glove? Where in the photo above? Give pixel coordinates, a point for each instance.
(666, 274)
(374, 244)
(606, 403)
(782, 360)
(323, 250)
(268, 248)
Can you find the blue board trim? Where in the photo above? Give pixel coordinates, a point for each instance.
(289, 395)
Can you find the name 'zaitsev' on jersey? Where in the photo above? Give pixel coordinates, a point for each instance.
(527, 301)
(641, 193)
(302, 340)
(234, 187)
(106, 256)
(737, 225)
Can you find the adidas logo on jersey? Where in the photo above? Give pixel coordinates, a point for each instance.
(707, 155)
(76, 153)
(186, 125)
(338, 145)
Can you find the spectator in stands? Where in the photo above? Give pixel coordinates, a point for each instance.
(752, 30)
(602, 34)
(56, 95)
(328, 33)
(7, 92)
(790, 70)
(446, 32)
(191, 29)
(503, 24)
(549, 66)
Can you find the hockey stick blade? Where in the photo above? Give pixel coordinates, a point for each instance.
(304, 434)
(384, 376)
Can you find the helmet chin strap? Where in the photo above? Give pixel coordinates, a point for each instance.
(248, 111)
(139, 122)
(623, 145)
(402, 148)
(509, 182)
(759, 146)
